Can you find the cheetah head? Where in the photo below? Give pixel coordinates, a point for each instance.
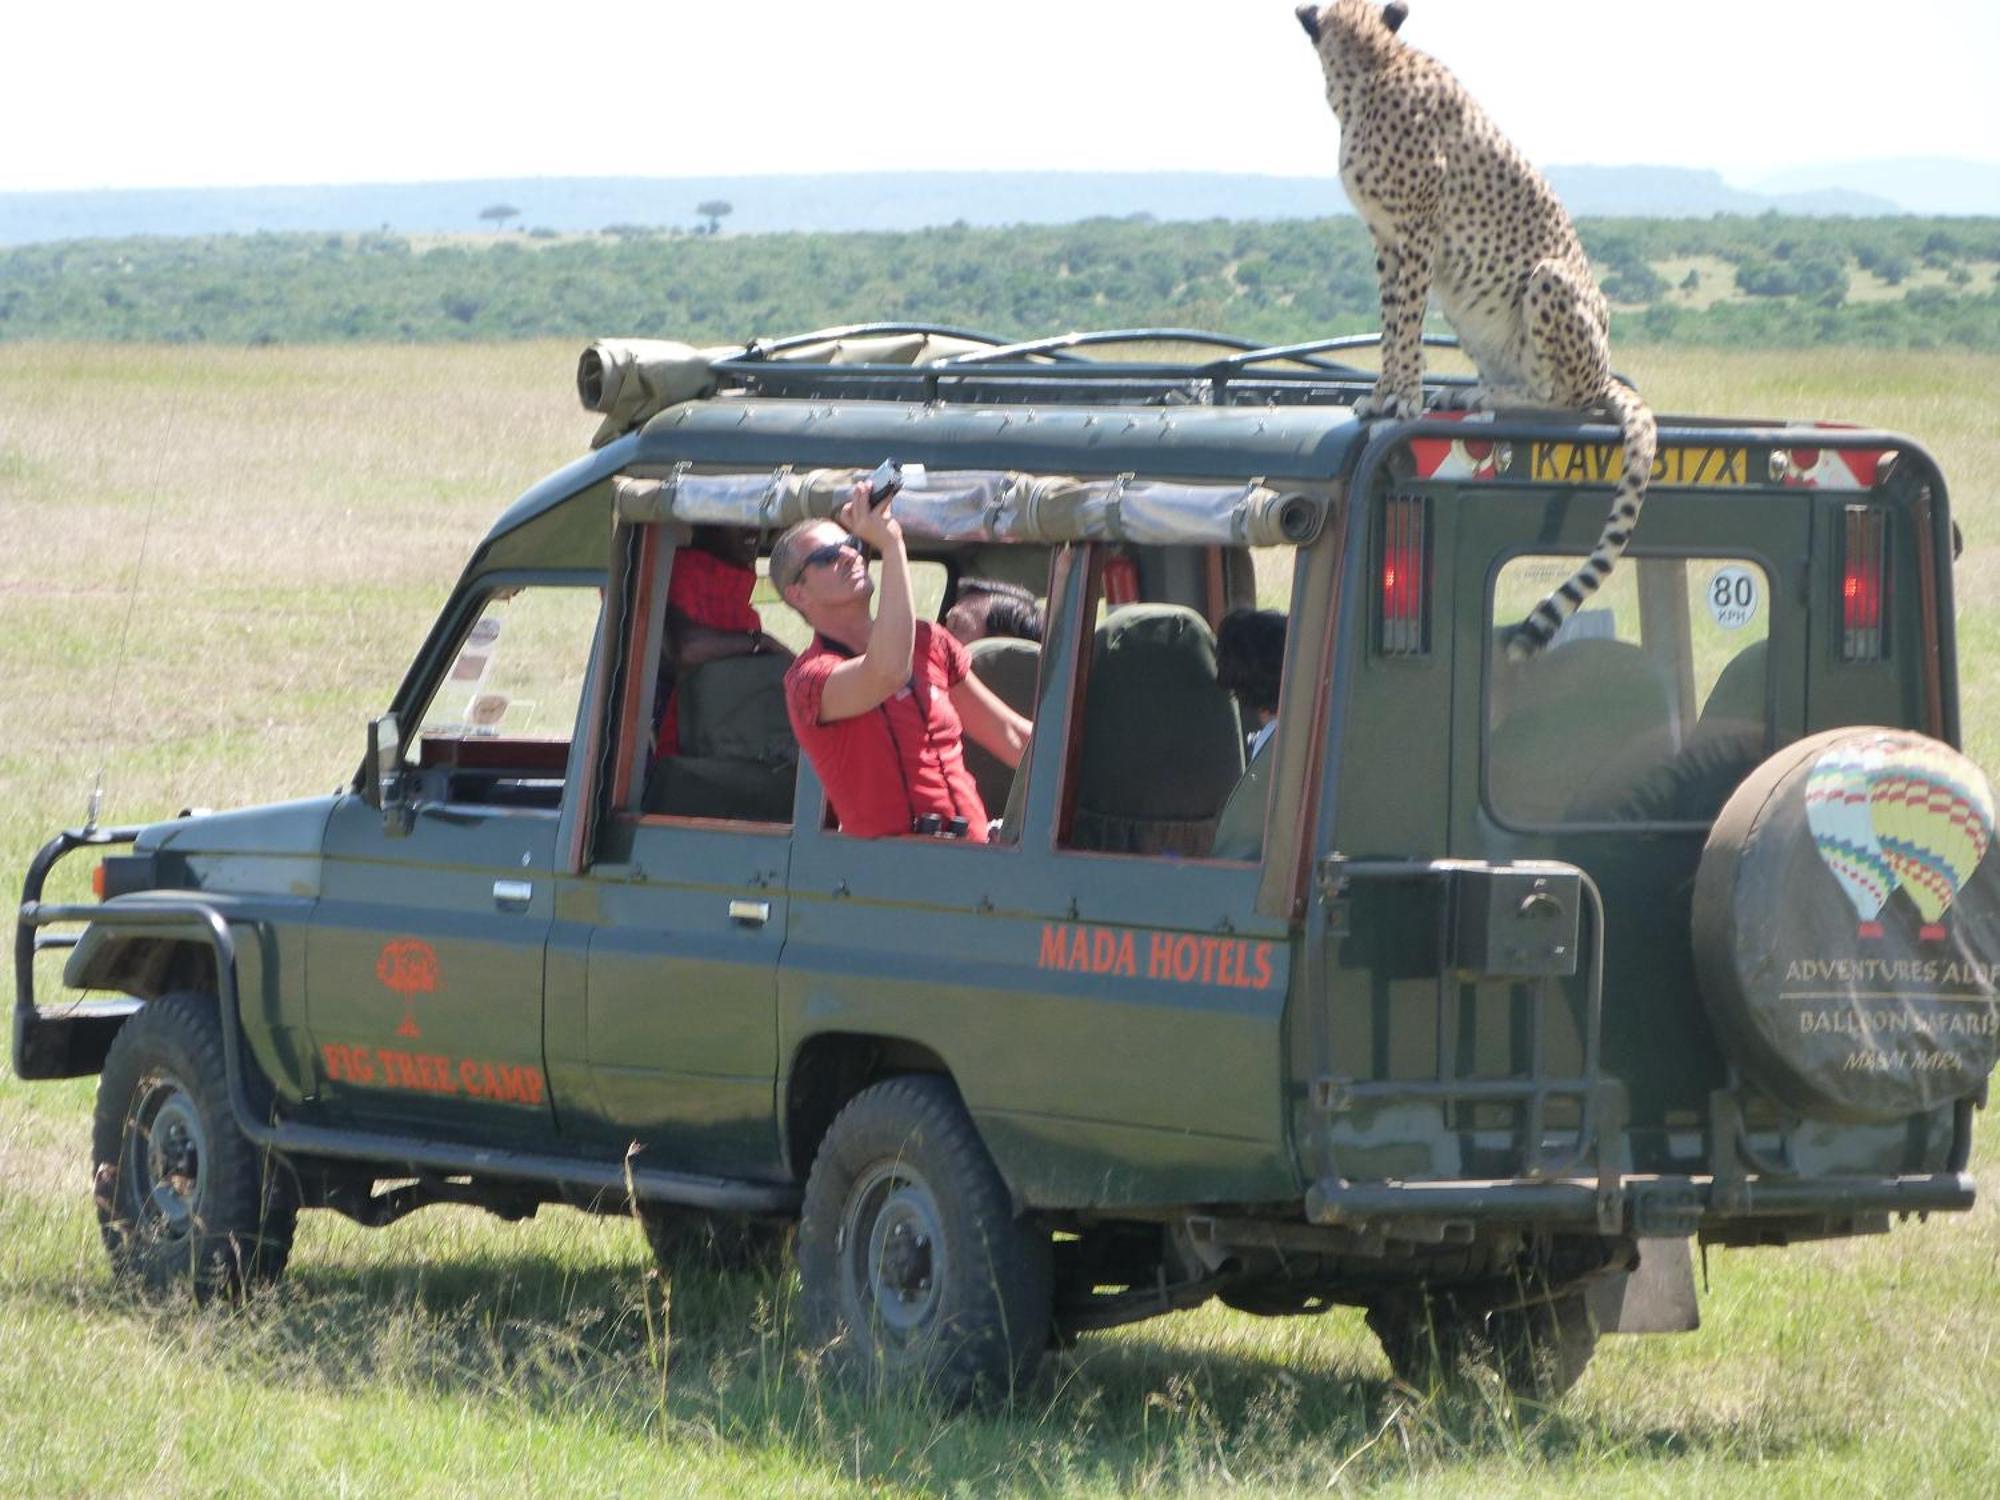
(1353, 33)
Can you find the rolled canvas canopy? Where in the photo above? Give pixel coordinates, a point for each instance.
(631, 380)
(988, 505)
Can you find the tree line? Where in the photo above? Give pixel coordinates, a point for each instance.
(1785, 282)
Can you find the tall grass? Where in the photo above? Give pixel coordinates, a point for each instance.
(301, 516)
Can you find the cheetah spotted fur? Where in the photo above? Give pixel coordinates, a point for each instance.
(1455, 208)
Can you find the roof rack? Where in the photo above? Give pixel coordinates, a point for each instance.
(1062, 343)
(763, 349)
(1232, 371)
(1303, 353)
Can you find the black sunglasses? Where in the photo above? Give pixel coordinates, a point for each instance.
(819, 557)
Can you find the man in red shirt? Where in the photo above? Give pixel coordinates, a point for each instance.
(880, 703)
(709, 616)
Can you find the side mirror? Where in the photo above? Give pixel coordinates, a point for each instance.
(382, 781)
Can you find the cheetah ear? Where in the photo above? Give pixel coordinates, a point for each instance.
(1309, 18)
(1394, 14)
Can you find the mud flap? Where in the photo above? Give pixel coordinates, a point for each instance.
(1655, 1297)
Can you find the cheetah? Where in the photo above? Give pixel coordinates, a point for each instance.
(1453, 206)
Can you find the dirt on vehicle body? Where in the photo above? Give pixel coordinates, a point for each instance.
(1472, 995)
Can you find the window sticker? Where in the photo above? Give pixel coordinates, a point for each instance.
(1733, 597)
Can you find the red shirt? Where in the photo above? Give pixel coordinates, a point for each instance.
(706, 591)
(900, 760)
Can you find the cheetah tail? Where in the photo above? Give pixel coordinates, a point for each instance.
(1635, 420)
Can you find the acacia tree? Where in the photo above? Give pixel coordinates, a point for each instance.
(715, 211)
(499, 213)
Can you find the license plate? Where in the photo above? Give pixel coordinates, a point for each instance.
(1600, 463)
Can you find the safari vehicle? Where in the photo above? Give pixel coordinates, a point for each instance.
(1472, 999)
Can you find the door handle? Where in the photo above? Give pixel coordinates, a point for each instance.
(750, 913)
(512, 895)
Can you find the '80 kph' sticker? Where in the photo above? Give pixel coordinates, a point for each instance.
(1734, 595)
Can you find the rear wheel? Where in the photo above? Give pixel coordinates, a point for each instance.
(183, 1199)
(917, 1278)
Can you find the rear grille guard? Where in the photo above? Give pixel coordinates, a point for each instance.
(1587, 1186)
(1600, 1100)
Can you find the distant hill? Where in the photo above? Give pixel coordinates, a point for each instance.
(913, 200)
(1921, 185)
(1684, 193)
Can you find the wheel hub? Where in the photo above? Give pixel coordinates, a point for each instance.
(895, 1247)
(166, 1147)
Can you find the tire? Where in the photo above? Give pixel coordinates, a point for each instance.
(693, 1239)
(916, 1278)
(184, 1201)
(1435, 1340)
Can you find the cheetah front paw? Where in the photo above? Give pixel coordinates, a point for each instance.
(1467, 398)
(1394, 404)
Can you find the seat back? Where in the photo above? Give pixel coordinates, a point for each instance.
(1162, 746)
(1239, 831)
(739, 758)
(734, 709)
(1011, 668)
(1570, 723)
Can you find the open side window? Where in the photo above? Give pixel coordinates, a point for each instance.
(496, 727)
(700, 733)
(1180, 682)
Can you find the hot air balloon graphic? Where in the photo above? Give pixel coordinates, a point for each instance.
(1839, 812)
(1932, 813)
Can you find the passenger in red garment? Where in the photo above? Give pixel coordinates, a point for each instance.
(709, 616)
(880, 704)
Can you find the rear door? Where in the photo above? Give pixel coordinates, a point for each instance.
(1615, 747)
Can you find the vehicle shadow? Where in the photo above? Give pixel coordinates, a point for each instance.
(719, 1357)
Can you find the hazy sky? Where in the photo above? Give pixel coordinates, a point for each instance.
(123, 94)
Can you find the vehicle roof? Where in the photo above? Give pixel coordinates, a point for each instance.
(955, 399)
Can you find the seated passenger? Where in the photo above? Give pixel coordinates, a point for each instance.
(1249, 659)
(983, 608)
(709, 617)
(880, 703)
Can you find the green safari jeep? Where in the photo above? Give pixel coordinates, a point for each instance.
(1471, 993)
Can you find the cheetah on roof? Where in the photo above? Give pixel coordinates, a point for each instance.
(1454, 207)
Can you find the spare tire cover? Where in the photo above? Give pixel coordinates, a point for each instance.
(1847, 926)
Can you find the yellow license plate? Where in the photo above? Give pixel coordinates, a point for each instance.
(1599, 463)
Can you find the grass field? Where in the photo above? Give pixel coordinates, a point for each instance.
(213, 566)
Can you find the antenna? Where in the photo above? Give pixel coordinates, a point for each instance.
(95, 802)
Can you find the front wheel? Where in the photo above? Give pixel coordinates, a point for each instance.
(183, 1199)
(916, 1276)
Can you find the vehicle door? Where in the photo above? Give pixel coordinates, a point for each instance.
(1616, 746)
(425, 963)
(663, 969)
(1104, 990)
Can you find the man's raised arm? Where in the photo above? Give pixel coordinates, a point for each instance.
(862, 682)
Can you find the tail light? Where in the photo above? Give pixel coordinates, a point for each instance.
(1864, 585)
(1404, 611)
(97, 882)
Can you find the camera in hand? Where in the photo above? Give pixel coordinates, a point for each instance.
(938, 826)
(884, 483)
